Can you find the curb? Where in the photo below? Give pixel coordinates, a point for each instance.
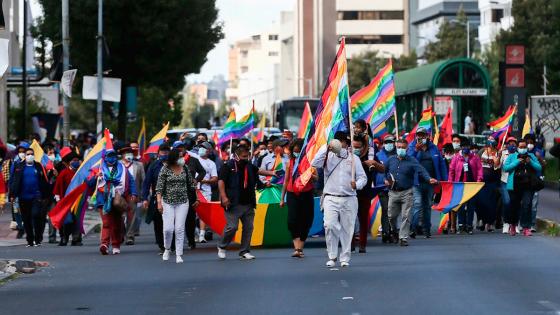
(544, 224)
(552, 185)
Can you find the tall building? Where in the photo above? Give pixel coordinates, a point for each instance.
(253, 71)
(426, 17)
(373, 25)
(495, 16)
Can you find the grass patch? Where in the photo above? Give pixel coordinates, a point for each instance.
(8, 278)
(553, 230)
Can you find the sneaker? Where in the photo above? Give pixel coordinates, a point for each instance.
(201, 239)
(527, 232)
(533, 229)
(20, 234)
(489, 228)
(403, 242)
(512, 230)
(247, 256)
(221, 253)
(178, 259)
(470, 230)
(344, 264)
(104, 249)
(165, 255)
(130, 241)
(331, 263)
(505, 228)
(29, 245)
(518, 229)
(116, 251)
(37, 244)
(13, 225)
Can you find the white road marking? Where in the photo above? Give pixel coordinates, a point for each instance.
(551, 306)
(347, 298)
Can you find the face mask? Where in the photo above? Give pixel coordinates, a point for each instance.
(511, 148)
(181, 162)
(75, 164)
(111, 160)
(296, 154)
(29, 159)
(243, 162)
(263, 153)
(465, 151)
(448, 157)
(401, 152)
(163, 157)
(202, 152)
(129, 157)
(357, 151)
(389, 147)
(522, 151)
(423, 140)
(530, 146)
(456, 146)
(343, 153)
(285, 156)
(51, 157)
(491, 143)
(21, 156)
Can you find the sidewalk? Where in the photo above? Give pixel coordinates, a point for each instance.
(8, 236)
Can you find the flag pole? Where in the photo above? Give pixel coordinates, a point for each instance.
(396, 124)
(253, 127)
(350, 120)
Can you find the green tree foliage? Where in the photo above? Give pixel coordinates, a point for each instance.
(536, 26)
(451, 40)
(153, 105)
(189, 109)
(151, 43)
(363, 67)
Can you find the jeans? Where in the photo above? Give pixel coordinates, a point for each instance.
(33, 220)
(384, 200)
(422, 207)
(520, 207)
(400, 202)
(466, 213)
(504, 196)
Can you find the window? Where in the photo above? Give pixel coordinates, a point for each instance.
(244, 69)
(272, 37)
(374, 39)
(497, 15)
(244, 53)
(370, 15)
(256, 37)
(272, 53)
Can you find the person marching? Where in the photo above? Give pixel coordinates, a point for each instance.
(114, 185)
(175, 189)
(383, 156)
(205, 185)
(237, 182)
(300, 202)
(401, 175)
(136, 170)
(72, 162)
(339, 203)
(428, 155)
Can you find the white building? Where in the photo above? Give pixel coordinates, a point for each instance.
(254, 69)
(373, 25)
(495, 16)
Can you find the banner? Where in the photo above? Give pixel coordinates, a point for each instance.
(111, 89)
(67, 81)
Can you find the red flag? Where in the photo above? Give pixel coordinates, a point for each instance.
(446, 129)
(62, 208)
(211, 213)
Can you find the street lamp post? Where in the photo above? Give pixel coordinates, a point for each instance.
(65, 67)
(100, 70)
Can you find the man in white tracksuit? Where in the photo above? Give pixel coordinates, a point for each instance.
(339, 203)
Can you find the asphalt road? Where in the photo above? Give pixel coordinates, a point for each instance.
(456, 274)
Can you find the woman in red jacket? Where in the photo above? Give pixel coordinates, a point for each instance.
(71, 162)
(466, 166)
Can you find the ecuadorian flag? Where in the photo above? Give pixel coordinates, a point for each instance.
(92, 160)
(40, 155)
(157, 140)
(455, 194)
(374, 216)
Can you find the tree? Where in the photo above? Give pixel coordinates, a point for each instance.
(151, 43)
(363, 67)
(154, 106)
(536, 25)
(451, 40)
(189, 108)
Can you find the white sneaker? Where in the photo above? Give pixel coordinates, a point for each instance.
(166, 254)
(533, 229)
(13, 225)
(221, 253)
(116, 251)
(331, 263)
(247, 256)
(201, 238)
(517, 229)
(178, 259)
(344, 264)
(505, 229)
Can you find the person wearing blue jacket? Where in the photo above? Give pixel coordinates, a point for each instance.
(521, 166)
(428, 155)
(387, 150)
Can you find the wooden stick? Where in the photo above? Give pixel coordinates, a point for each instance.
(396, 124)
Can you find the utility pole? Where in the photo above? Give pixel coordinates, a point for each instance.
(100, 70)
(65, 67)
(468, 39)
(545, 80)
(24, 71)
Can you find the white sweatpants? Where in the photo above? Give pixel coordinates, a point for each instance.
(174, 217)
(339, 219)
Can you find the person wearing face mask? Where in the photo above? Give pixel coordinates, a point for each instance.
(149, 200)
(280, 147)
(29, 185)
(387, 150)
(401, 175)
(134, 213)
(366, 194)
(456, 142)
(510, 147)
(71, 162)
(539, 153)
(466, 167)
(299, 201)
(112, 179)
(206, 184)
(487, 196)
(428, 155)
(175, 190)
(8, 170)
(448, 153)
(237, 182)
(521, 166)
(260, 153)
(339, 200)
(52, 173)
